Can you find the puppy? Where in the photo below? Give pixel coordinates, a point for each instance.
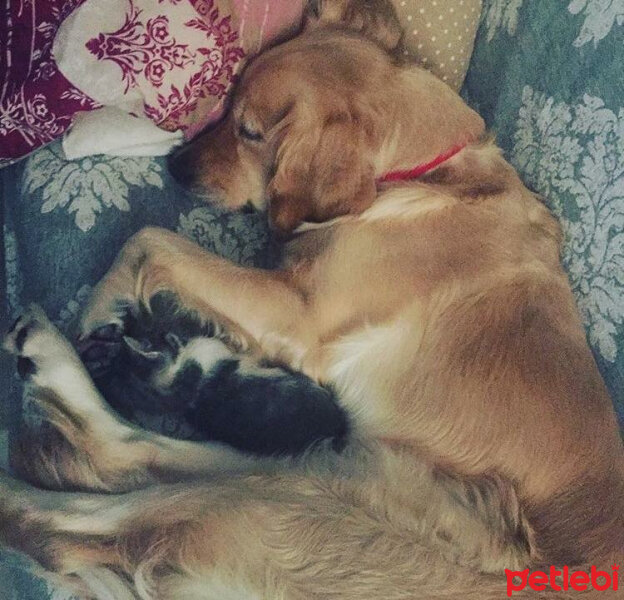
(422, 282)
(179, 370)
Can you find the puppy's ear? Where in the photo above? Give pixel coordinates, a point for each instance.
(322, 171)
(375, 19)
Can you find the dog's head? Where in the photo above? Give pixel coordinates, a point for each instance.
(316, 120)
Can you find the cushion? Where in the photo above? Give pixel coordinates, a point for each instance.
(547, 77)
(440, 35)
(170, 62)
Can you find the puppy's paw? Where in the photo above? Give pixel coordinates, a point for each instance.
(36, 342)
(101, 330)
(100, 348)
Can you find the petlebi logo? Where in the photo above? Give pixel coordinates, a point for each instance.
(563, 580)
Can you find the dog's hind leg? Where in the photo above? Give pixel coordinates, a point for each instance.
(288, 536)
(102, 451)
(86, 537)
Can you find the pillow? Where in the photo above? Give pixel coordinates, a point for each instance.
(171, 62)
(36, 101)
(440, 35)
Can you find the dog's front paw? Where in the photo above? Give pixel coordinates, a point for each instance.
(105, 317)
(36, 342)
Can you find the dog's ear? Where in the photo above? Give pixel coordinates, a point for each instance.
(375, 19)
(322, 170)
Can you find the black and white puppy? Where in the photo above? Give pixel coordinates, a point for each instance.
(172, 364)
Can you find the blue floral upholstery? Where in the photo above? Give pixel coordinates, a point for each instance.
(547, 76)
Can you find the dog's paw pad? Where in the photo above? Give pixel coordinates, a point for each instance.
(25, 367)
(23, 327)
(21, 333)
(36, 342)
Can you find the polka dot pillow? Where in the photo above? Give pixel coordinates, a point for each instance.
(440, 35)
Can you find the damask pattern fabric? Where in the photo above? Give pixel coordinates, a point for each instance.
(549, 79)
(68, 220)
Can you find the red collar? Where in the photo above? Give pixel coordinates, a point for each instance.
(419, 170)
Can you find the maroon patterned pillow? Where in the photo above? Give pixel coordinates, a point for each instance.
(169, 61)
(36, 100)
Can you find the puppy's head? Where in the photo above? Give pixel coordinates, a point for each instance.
(314, 120)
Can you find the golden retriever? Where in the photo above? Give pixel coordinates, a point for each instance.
(421, 280)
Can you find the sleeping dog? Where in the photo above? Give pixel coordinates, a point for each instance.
(421, 283)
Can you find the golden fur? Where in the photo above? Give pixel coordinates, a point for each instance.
(483, 436)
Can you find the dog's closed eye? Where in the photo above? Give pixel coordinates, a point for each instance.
(248, 133)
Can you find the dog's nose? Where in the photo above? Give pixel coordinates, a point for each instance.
(181, 168)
